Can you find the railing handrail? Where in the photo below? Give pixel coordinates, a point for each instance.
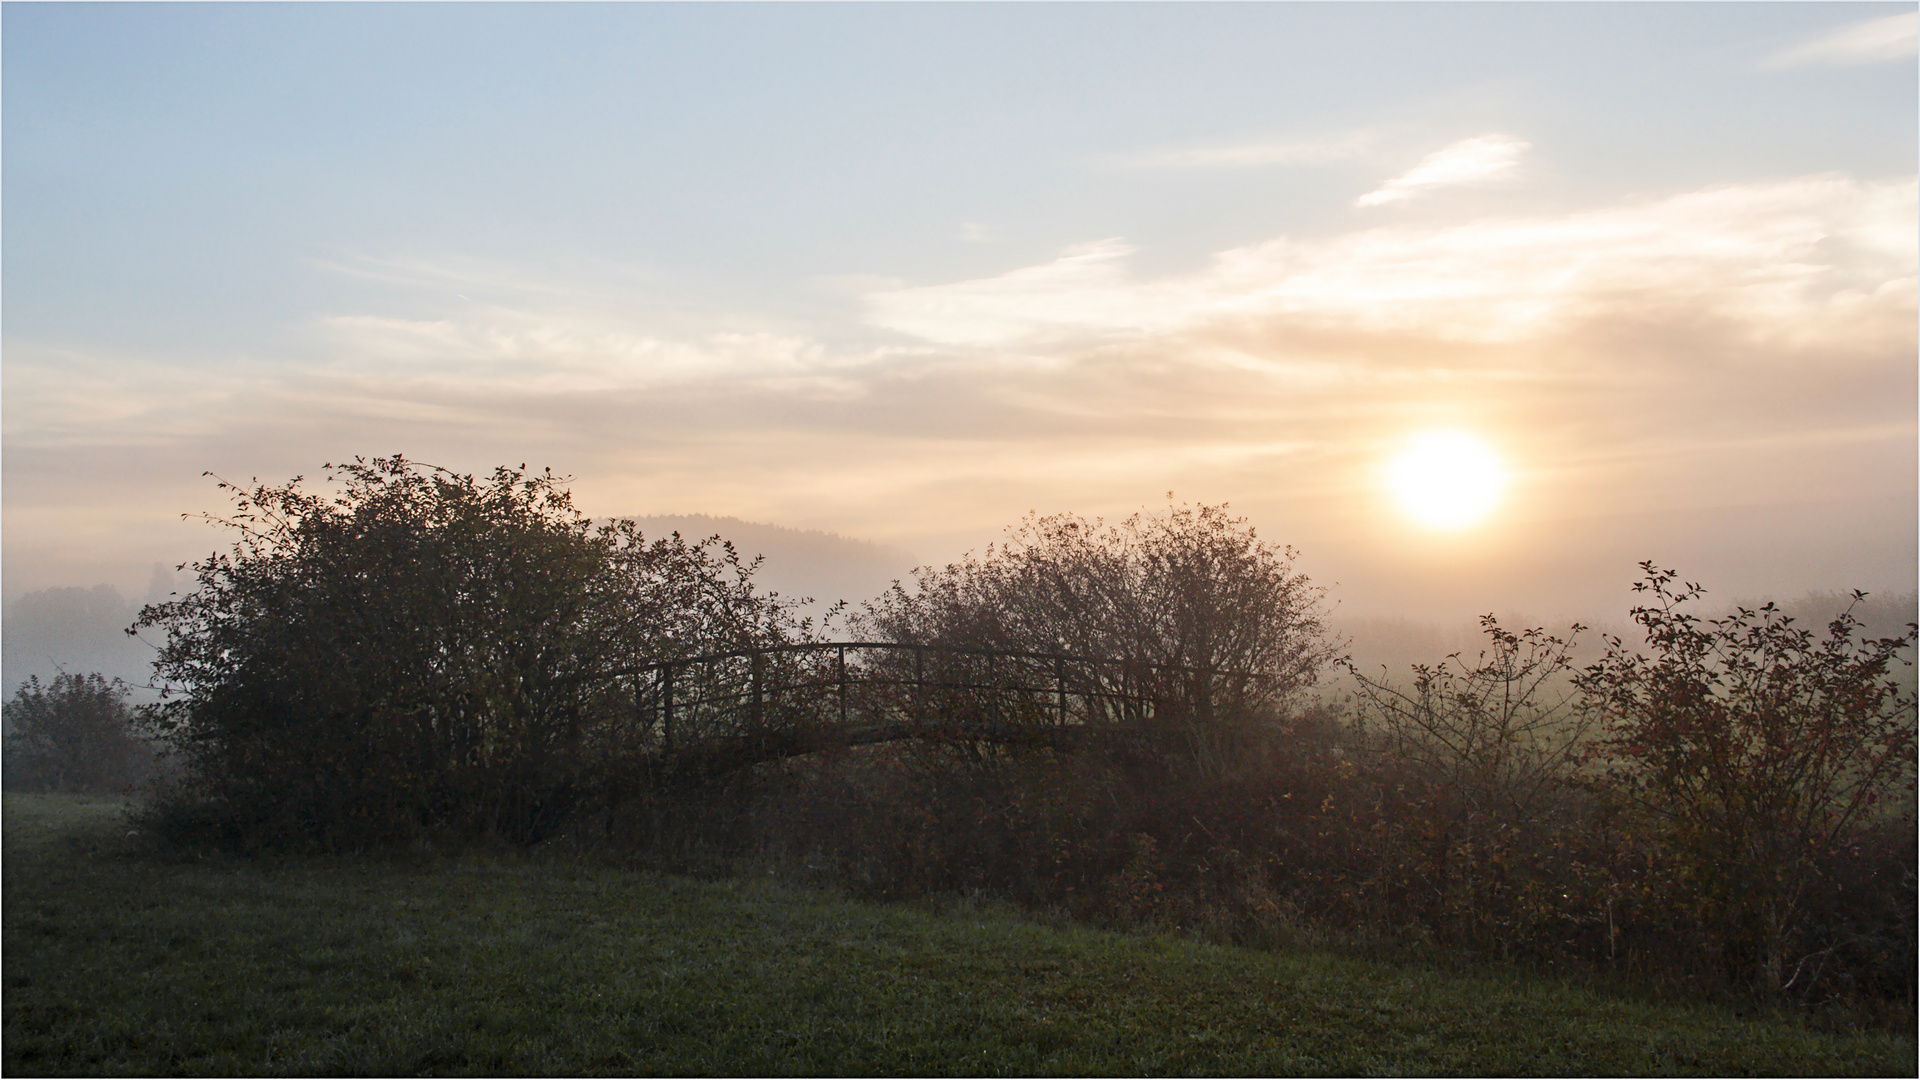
(1121, 695)
(963, 650)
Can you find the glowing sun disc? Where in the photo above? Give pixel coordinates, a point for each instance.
(1446, 479)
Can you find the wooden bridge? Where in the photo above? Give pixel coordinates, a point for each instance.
(711, 714)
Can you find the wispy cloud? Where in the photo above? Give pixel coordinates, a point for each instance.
(467, 363)
(414, 272)
(1825, 265)
(568, 330)
(560, 353)
(1869, 41)
(1469, 161)
(1085, 287)
(1817, 258)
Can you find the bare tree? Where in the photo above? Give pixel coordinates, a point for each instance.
(1496, 734)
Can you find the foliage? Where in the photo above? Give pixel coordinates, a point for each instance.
(418, 648)
(1751, 749)
(1214, 622)
(1458, 811)
(74, 734)
(1479, 757)
(1495, 736)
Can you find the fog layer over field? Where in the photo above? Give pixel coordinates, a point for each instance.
(82, 629)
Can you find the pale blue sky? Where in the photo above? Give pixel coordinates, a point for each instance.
(907, 272)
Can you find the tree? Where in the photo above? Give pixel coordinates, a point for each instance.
(74, 734)
(417, 648)
(1213, 621)
(1751, 747)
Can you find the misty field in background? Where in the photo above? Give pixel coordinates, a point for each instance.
(1113, 723)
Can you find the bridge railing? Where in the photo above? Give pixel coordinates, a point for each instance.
(934, 690)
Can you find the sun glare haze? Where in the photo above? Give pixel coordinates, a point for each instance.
(1446, 479)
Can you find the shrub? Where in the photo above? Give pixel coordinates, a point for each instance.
(1752, 751)
(419, 649)
(1478, 758)
(74, 734)
(1213, 623)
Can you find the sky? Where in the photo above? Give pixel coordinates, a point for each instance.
(908, 273)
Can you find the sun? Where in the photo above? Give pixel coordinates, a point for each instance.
(1446, 479)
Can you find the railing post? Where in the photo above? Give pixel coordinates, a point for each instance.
(666, 706)
(993, 691)
(841, 670)
(919, 684)
(758, 676)
(1060, 685)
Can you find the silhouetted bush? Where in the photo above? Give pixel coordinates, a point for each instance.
(420, 650)
(1211, 623)
(1472, 766)
(1745, 752)
(74, 734)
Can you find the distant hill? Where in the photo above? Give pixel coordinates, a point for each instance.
(799, 562)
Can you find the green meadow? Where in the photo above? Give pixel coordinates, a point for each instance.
(119, 960)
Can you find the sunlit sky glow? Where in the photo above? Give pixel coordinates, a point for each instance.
(909, 272)
(1446, 479)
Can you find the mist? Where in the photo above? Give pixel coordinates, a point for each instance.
(81, 629)
(75, 630)
(822, 568)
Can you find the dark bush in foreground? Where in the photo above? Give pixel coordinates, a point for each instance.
(1209, 620)
(1746, 754)
(420, 650)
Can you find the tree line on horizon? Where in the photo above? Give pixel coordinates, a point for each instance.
(414, 654)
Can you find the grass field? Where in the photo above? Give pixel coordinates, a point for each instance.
(120, 961)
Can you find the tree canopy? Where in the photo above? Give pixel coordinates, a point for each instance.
(415, 647)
